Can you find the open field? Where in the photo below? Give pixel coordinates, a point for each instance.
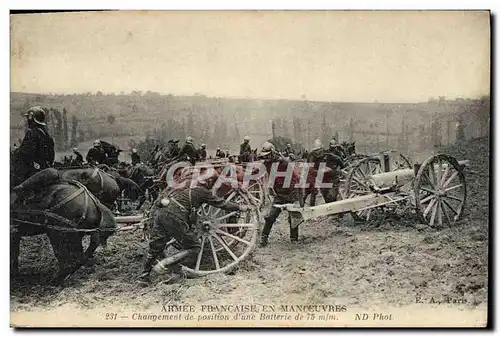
(389, 261)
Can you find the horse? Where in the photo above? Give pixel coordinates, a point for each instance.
(64, 210)
(106, 186)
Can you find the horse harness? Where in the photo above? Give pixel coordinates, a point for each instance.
(49, 213)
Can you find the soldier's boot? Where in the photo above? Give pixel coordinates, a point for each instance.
(265, 233)
(144, 278)
(312, 201)
(294, 233)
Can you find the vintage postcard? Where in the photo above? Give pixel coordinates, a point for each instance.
(250, 169)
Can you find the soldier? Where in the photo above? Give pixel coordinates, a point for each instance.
(316, 156)
(78, 157)
(245, 150)
(289, 152)
(175, 217)
(136, 159)
(173, 149)
(96, 154)
(335, 163)
(284, 194)
(336, 148)
(36, 151)
(219, 153)
(188, 151)
(305, 155)
(203, 152)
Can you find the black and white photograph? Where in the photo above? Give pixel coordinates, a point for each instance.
(251, 168)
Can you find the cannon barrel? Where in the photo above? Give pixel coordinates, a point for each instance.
(129, 219)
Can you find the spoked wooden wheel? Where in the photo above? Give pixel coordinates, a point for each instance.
(357, 184)
(217, 255)
(440, 191)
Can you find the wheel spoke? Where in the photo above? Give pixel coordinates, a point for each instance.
(237, 238)
(428, 198)
(429, 207)
(445, 174)
(450, 207)
(427, 190)
(450, 179)
(200, 254)
(214, 253)
(432, 173)
(448, 220)
(225, 216)
(439, 172)
(453, 187)
(429, 181)
(433, 216)
(236, 225)
(453, 197)
(439, 214)
(235, 258)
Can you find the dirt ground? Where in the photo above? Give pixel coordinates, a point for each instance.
(389, 261)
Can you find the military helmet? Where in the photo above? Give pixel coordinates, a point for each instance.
(134, 150)
(218, 149)
(317, 144)
(288, 145)
(75, 149)
(246, 139)
(189, 139)
(267, 148)
(36, 114)
(203, 146)
(97, 142)
(333, 142)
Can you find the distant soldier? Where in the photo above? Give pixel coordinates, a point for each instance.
(175, 218)
(136, 159)
(36, 151)
(203, 152)
(78, 157)
(245, 150)
(219, 153)
(188, 151)
(305, 155)
(173, 149)
(228, 154)
(289, 152)
(336, 148)
(96, 154)
(316, 156)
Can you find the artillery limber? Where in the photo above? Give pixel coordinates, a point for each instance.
(436, 190)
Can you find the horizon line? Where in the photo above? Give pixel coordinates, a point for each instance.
(143, 94)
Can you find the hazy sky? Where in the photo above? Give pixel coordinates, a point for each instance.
(331, 56)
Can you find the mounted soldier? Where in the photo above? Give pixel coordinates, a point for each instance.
(188, 151)
(245, 150)
(136, 159)
(336, 148)
(78, 157)
(284, 194)
(175, 217)
(36, 151)
(96, 154)
(219, 153)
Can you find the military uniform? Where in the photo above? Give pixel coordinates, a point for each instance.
(203, 154)
(335, 163)
(245, 152)
(284, 195)
(316, 156)
(188, 152)
(96, 155)
(78, 158)
(176, 219)
(220, 154)
(36, 151)
(136, 159)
